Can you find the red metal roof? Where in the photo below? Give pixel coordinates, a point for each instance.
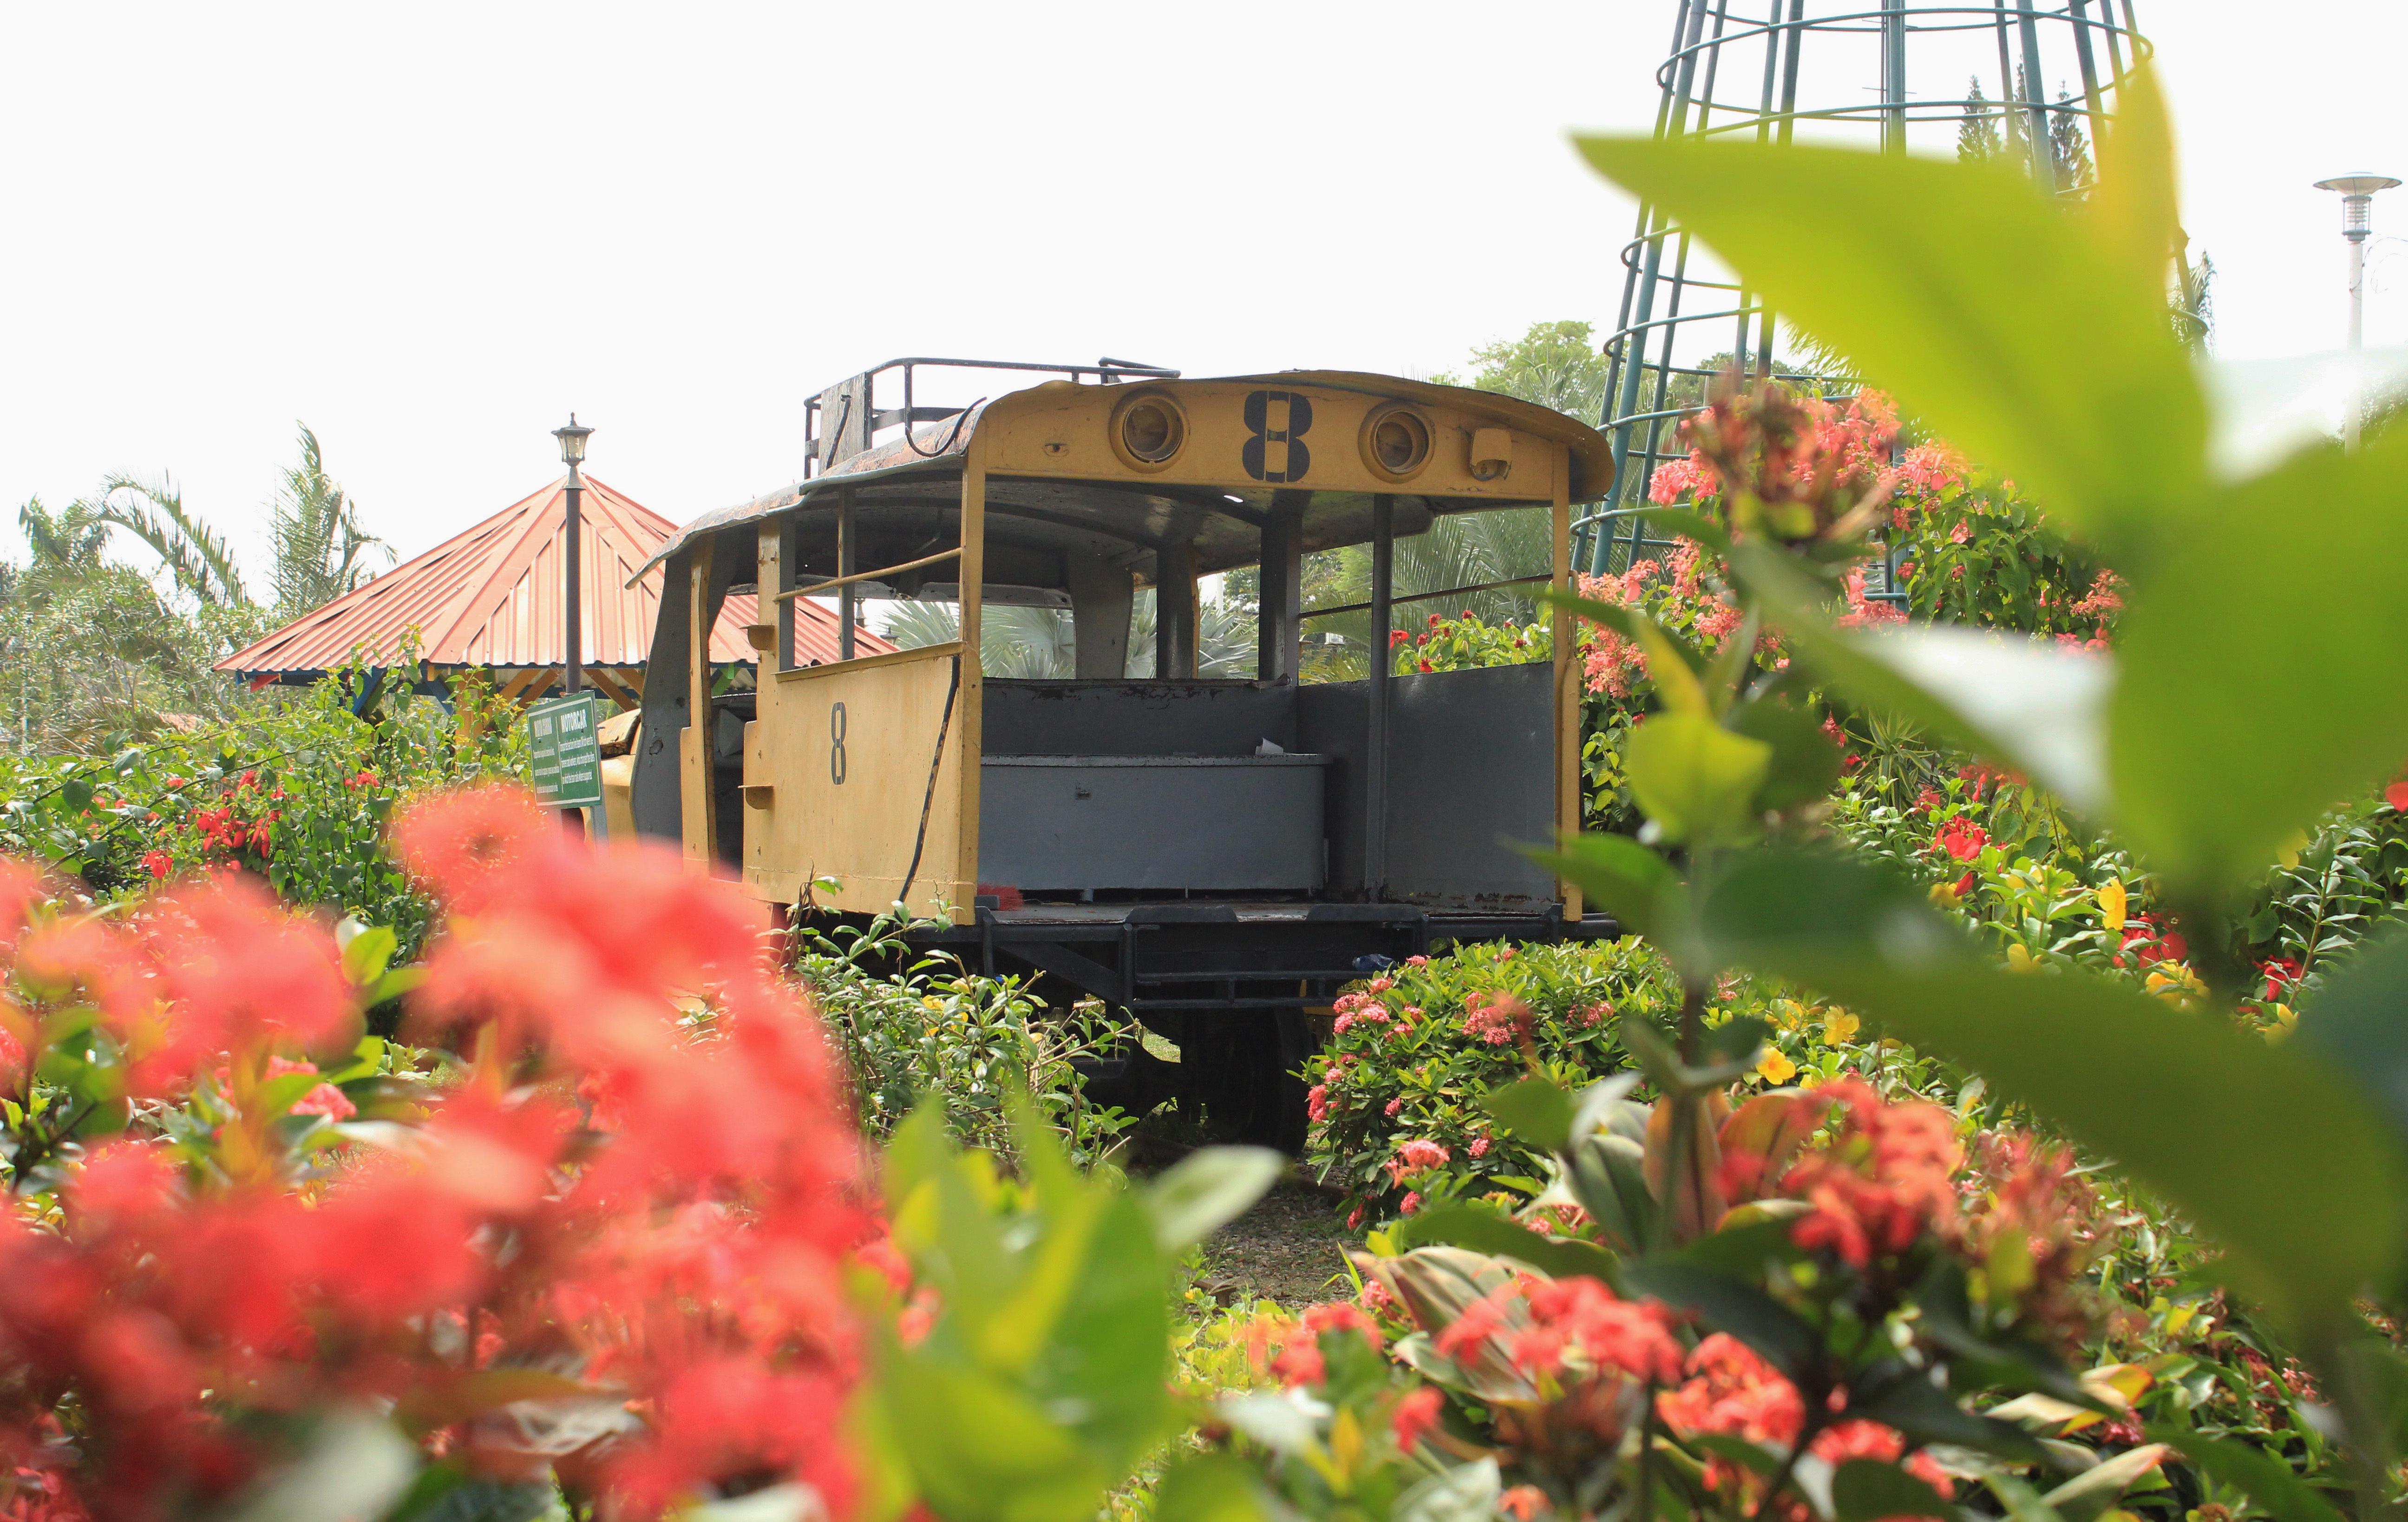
(491, 597)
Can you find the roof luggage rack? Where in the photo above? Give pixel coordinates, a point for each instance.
(853, 419)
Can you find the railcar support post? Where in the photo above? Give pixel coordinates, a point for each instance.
(970, 720)
(1375, 767)
(1276, 629)
(1174, 612)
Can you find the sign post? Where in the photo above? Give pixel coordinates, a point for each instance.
(566, 753)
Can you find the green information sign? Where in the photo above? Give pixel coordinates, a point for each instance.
(567, 755)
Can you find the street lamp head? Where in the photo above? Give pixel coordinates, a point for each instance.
(572, 439)
(2357, 194)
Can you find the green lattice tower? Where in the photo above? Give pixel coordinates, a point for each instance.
(1896, 74)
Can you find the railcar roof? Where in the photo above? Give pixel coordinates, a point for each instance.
(904, 490)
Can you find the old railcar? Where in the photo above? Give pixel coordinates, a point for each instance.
(1214, 856)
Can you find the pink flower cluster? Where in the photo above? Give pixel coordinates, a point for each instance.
(1497, 1019)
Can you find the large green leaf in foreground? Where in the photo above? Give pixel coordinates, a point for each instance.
(2275, 1154)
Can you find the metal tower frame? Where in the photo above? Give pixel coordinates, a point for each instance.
(1658, 333)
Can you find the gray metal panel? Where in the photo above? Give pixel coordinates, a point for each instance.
(1469, 768)
(1151, 821)
(1333, 719)
(1136, 718)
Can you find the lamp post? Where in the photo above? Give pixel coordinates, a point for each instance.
(2356, 198)
(572, 451)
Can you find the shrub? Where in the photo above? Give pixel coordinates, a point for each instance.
(1412, 1050)
(241, 1234)
(300, 797)
(935, 1032)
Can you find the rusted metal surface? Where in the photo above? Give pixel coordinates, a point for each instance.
(491, 596)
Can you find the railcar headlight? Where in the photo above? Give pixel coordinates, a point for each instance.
(1491, 453)
(1148, 429)
(1395, 441)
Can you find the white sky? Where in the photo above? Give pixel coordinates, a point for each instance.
(431, 231)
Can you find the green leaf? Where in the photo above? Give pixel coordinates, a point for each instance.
(1963, 288)
(353, 1465)
(1466, 1493)
(1635, 884)
(364, 954)
(2103, 1485)
(2268, 1482)
(1206, 1190)
(1537, 1109)
(1921, 1409)
(1694, 778)
(394, 983)
(1607, 1174)
(1461, 1226)
(2266, 1148)
(2026, 702)
(1805, 762)
(1210, 1487)
(1864, 1490)
(981, 1450)
(2230, 620)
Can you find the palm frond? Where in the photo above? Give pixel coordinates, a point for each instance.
(321, 549)
(198, 557)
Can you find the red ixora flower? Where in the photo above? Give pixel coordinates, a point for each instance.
(1962, 839)
(2280, 972)
(695, 1265)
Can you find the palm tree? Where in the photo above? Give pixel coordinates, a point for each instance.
(200, 559)
(322, 550)
(68, 542)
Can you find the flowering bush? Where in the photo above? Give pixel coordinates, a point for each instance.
(579, 1241)
(1728, 1311)
(300, 797)
(1412, 1050)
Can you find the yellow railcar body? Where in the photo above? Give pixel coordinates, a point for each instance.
(865, 773)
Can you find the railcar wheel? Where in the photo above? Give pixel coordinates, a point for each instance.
(1246, 1075)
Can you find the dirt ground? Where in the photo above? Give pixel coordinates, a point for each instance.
(1286, 1249)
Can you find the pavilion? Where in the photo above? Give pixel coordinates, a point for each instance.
(490, 600)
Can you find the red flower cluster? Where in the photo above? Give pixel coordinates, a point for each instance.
(2150, 941)
(1418, 1156)
(609, 1215)
(2280, 972)
(1732, 1392)
(1883, 1180)
(1497, 1019)
(1962, 839)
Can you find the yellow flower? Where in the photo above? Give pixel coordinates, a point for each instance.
(2288, 852)
(1776, 1069)
(1944, 895)
(932, 1001)
(2286, 1020)
(2113, 903)
(2175, 982)
(1838, 1025)
(2020, 959)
